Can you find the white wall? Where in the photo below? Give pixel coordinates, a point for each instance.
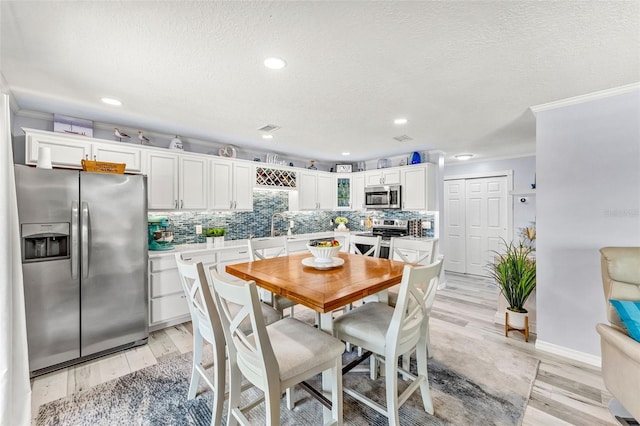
(524, 170)
(588, 197)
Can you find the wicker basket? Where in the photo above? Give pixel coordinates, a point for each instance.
(103, 167)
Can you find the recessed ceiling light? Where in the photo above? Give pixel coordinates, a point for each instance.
(463, 157)
(267, 136)
(400, 121)
(275, 63)
(346, 153)
(111, 101)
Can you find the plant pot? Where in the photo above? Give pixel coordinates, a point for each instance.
(516, 320)
(209, 242)
(218, 241)
(341, 227)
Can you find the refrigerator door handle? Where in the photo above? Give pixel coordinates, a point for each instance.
(85, 239)
(74, 240)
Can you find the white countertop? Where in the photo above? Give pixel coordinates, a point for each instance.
(230, 245)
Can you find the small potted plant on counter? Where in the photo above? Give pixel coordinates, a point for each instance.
(215, 237)
(341, 221)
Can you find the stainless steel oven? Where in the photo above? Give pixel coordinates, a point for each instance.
(383, 197)
(387, 229)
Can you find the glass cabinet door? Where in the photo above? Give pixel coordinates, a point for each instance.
(344, 192)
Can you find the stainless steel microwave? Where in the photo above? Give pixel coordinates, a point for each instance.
(383, 197)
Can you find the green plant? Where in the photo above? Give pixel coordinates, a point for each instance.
(341, 219)
(214, 232)
(515, 273)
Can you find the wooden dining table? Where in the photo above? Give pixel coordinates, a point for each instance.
(323, 290)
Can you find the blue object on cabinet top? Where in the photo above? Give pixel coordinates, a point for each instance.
(415, 158)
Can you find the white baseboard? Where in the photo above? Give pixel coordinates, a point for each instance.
(568, 353)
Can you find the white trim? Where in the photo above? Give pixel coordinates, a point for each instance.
(585, 98)
(565, 352)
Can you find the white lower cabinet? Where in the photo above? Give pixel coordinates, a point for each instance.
(167, 301)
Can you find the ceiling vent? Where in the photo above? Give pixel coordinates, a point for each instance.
(403, 138)
(269, 128)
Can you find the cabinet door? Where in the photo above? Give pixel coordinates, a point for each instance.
(357, 191)
(343, 191)
(373, 178)
(193, 183)
(418, 187)
(325, 191)
(307, 190)
(131, 156)
(162, 181)
(221, 184)
(391, 176)
(243, 182)
(66, 151)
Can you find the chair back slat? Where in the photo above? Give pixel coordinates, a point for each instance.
(422, 251)
(374, 242)
(275, 247)
(251, 350)
(408, 324)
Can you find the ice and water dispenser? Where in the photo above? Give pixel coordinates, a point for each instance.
(45, 241)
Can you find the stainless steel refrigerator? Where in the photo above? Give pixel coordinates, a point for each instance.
(84, 260)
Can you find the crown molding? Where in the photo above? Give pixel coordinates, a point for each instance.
(585, 98)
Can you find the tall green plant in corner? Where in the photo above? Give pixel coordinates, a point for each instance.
(515, 273)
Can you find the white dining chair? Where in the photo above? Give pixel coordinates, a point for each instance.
(265, 249)
(275, 357)
(422, 252)
(363, 240)
(391, 332)
(207, 327)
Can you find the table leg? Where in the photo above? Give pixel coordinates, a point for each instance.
(326, 325)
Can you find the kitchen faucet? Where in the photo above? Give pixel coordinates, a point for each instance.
(273, 219)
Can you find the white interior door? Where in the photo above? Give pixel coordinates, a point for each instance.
(454, 201)
(486, 221)
(476, 221)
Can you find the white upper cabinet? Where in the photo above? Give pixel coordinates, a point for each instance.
(69, 150)
(357, 191)
(315, 190)
(162, 181)
(176, 181)
(231, 184)
(111, 153)
(193, 182)
(418, 187)
(390, 176)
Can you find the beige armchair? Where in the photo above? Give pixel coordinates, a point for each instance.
(620, 353)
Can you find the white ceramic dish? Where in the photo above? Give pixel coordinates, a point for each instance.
(311, 262)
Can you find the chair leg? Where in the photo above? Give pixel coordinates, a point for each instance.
(235, 385)
(406, 364)
(291, 403)
(428, 336)
(272, 406)
(423, 376)
(391, 384)
(373, 365)
(198, 343)
(336, 392)
(218, 381)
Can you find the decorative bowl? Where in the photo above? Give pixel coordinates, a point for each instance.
(324, 254)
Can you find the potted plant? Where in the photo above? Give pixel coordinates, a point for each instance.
(341, 221)
(215, 237)
(515, 274)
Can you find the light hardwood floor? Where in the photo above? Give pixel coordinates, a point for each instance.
(565, 392)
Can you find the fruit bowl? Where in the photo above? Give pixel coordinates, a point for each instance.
(324, 254)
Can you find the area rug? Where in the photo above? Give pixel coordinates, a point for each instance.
(472, 382)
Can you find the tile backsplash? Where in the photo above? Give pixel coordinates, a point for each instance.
(241, 225)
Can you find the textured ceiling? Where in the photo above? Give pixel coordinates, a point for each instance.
(463, 73)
